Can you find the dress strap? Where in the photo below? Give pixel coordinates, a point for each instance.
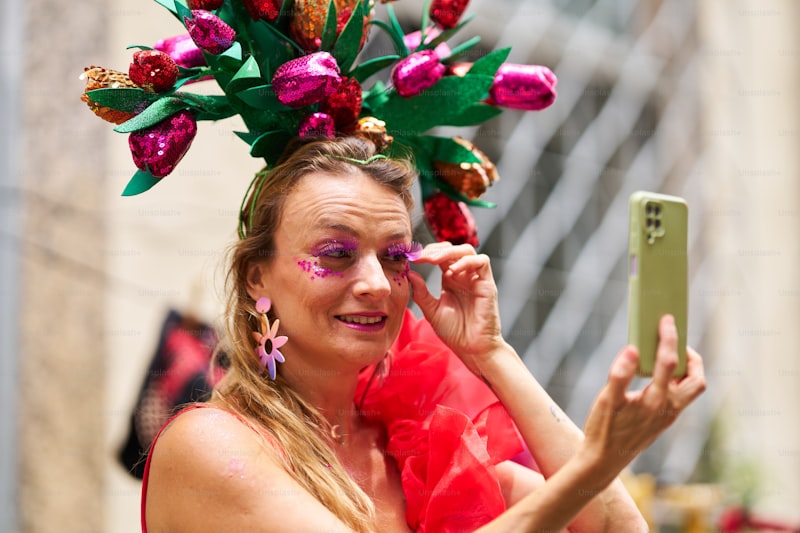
(146, 474)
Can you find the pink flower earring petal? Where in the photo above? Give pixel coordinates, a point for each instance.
(268, 339)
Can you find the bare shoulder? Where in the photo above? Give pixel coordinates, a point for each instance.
(206, 459)
(212, 472)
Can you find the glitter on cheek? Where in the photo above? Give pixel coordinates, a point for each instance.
(236, 468)
(402, 276)
(316, 271)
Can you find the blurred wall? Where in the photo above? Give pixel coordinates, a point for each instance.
(62, 161)
(751, 126)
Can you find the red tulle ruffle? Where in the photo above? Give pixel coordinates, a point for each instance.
(446, 430)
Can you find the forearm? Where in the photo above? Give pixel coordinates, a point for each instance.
(553, 439)
(554, 505)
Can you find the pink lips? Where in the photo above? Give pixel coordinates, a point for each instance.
(370, 322)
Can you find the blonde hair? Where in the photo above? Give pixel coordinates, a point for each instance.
(298, 429)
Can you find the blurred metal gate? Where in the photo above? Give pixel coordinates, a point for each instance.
(627, 117)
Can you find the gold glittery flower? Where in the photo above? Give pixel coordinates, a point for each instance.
(101, 78)
(470, 179)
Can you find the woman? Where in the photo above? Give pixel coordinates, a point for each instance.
(328, 243)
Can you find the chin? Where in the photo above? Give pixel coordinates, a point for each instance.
(368, 357)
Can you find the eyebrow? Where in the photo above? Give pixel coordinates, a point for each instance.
(344, 228)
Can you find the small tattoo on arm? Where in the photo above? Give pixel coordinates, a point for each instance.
(557, 413)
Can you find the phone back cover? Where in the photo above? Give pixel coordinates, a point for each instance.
(658, 273)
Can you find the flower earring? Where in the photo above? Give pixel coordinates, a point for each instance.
(268, 342)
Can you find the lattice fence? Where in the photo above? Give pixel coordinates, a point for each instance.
(627, 118)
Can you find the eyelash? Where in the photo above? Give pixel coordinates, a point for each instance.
(344, 250)
(404, 251)
(331, 249)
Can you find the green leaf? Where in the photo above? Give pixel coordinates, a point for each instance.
(129, 100)
(231, 58)
(396, 30)
(447, 34)
(270, 145)
(262, 97)
(207, 107)
(248, 75)
(426, 15)
(488, 64)
(169, 4)
(448, 150)
(370, 67)
(399, 45)
(183, 12)
(439, 105)
(375, 98)
(282, 36)
(286, 8)
(193, 71)
(329, 31)
(183, 81)
(155, 113)
(256, 119)
(218, 114)
(455, 195)
(248, 136)
(475, 114)
(140, 182)
(461, 49)
(274, 51)
(249, 69)
(349, 42)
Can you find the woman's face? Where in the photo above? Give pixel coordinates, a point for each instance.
(338, 280)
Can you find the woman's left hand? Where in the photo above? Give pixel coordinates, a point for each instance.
(465, 315)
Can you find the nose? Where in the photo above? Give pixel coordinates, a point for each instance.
(372, 280)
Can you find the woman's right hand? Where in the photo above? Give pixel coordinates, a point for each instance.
(622, 423)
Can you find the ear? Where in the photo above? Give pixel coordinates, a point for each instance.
(256, 280)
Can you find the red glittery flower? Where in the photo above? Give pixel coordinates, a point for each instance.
(208, 5)
(344, 105)
(525, 87)
(450, 220)
(317, 125)
(209, 32)
(306, 80)
(447, 13)
(159, 148)
(417, 72)
(153, 71)
(263, 9)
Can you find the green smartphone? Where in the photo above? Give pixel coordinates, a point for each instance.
(658, 273)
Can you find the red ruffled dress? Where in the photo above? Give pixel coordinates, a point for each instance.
(446, 431)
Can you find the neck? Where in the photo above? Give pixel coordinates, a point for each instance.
(331, 392)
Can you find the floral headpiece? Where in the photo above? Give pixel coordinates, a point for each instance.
(290, 68)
